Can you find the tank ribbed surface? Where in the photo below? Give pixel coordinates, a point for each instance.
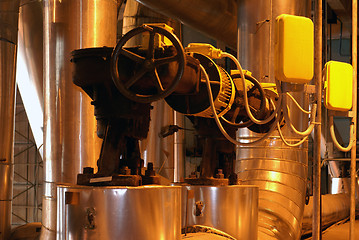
(280, 172)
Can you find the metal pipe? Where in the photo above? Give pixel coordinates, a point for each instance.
(353, 175)
(335, 207)
(9, 12)
(70, 141)
(163, 152)
(214, 18)
(318, 12)
(278, 170)
(29, 66)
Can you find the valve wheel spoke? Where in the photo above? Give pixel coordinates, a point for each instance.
(151, 46)
(131, 55)
(235, 114)
(158, 82)
(135, 78)
(166, 60)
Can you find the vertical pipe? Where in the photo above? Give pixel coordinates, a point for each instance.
(318, 8)
(163, 152)
(9, 14)
(355, 91)
(70, 141)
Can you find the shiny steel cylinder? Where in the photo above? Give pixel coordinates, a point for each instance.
(335, 207)
(162, 152)
(70, 141)
(106, 213)
(231, 209)
(278, 170)
(9, 14)
(214, 18)
(31, 43)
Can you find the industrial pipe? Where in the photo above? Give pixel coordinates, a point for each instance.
(335, 207)
(279, 171)
(353, 173)
(70, 141)
(9, 14)
(29, 66)
(217, 19)
(163, 152)
(318, 43)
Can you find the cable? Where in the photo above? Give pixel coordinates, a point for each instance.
(289, 122)
(297, 104)
(216, 118)
(238, 125)
(246, 104)
(282, 137)
(285, 141)
(335, 141)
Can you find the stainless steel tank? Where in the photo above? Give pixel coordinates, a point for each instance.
(70, 141)
(9, 13)
(231, 209)
(106, 213)
(278, 170)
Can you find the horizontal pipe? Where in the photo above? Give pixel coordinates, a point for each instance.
(335, 207)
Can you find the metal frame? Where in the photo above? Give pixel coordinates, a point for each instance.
(29, 186)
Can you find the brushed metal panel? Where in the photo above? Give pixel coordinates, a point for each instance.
(147, 212)
(70, 140)
(5, 219)
(6, 180)
(9, 14)
(231, 209)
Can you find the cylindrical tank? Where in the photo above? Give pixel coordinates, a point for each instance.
(70, 141)
(279, 171)
(9, 13)
(106, 213)
(230, 209)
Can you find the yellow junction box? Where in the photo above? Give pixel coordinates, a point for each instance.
(294, 49)
(338, 86)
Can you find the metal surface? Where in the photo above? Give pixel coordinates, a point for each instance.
(30, 66)
(148, 213)
(279, 171)
(160, 151)
(9, 12)
(353, 172)
(70, 141)
(256, 23)
(5, 219)
(231, 209)
(217, 19)
(318, 65)
(335, 207)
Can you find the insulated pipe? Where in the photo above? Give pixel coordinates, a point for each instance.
(335, 207)
(279, 171)
(70, 141)
(217, 19)
(318, 42)
(353, 173)
(30, 85)
(9, 12)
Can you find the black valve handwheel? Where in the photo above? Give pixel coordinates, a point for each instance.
(148, 65)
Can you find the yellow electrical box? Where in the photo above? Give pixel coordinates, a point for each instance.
(338, 86)
(294, 49)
